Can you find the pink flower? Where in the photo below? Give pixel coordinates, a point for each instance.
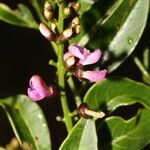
(84, 55)
(94, 76)
(38, 88)
(77, 57)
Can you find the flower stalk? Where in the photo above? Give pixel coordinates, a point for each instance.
(61, 73)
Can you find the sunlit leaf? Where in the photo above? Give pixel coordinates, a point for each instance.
(115, 92)
(82, 137)
(115, 27)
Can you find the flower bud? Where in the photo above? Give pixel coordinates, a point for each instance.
(66, 34)
(76, 21)
(38, 89)
(46, 32)
(53, 27)
(81, 110)
(67, 11)
(48, 14)
(48, 11)
(48, 6)
(76, 6)
(70, 61)
(71, 4)
(85, 112)
(77, 29)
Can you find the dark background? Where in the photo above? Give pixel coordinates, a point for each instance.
(23, 53)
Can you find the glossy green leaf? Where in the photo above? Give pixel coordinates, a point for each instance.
(82, 137)
(20, 17)
(107, 96)
(27, 121)
(115, 26)
(112, 93)
(118, 134)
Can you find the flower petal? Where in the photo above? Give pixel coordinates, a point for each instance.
(46, 32)
(85, 52)
(38, 88)
(91, 58)
(95, 76)
(34, 95)
(76, 50)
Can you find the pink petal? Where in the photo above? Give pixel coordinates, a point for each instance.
(38, 88)
(85, 52)
(95, 76)
(91, 58)
(76, 50)
(46, 32)
(34, 95)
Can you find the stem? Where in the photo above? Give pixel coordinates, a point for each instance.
(141, 67)
(146, 58)
(55, 48)
(61, 74)
(60, 18)
(61, 82)
(74, 90)
(39, 11)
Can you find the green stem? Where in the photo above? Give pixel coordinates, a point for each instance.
(141, 67)
(61, 74)
(39, 11)
(55, 48)
(74, 90)
(146, 58)
(60, 18)
(61, 82)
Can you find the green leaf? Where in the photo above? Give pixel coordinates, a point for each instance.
(85, 6)
(20, 17)
(27, 121)
(115, 26)
(109, 95)
(118, 134)
(82, 137)
(112, 93)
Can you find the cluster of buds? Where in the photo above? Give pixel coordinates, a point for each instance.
(77, 57)
(48, 10)
(50, 33)
(72, 30)
(71, 8)
(74, 26)
(38, 89)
